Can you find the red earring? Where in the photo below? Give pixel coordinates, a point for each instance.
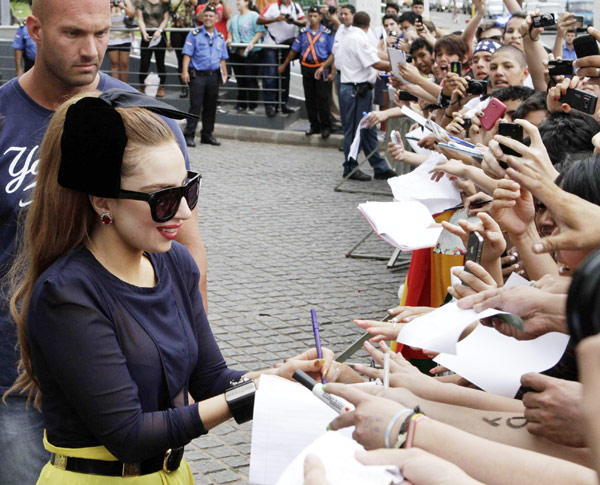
(106, 218)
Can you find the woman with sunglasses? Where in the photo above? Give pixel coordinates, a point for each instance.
(112, 329)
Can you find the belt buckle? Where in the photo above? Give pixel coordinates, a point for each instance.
(131, 470)
(59, 461)
(166, 461)
(172, 459)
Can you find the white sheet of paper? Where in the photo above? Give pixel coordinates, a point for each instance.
(419, 133)
(495, 362)
(413, 115)
(440, 329)
(287, 418)
(154, 42)
(336, 452)
(406, 225)
(417, 185)
(516, 279)
(397, 56)
(355, 147)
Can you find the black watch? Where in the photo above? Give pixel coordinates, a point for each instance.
(240, 399)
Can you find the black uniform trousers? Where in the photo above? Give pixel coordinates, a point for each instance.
(204, 91)
(316, 98)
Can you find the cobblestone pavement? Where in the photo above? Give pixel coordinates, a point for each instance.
(276, 235)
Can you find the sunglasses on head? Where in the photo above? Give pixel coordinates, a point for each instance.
(164, 203)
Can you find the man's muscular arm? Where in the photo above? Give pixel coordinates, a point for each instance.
(189, 236)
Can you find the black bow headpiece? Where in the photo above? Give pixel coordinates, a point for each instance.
(94, 140)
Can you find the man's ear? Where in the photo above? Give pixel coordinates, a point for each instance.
(34, 28)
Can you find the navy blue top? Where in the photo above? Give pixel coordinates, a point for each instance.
(23, 42)
(24, 125)
(205, 52)
(115, 361)
(323, 46)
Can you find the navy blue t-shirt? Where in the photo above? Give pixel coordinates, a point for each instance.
(24, 124)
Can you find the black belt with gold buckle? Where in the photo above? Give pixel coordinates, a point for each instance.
(169, 462)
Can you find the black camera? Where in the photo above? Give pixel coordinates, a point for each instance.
(560, 67)
(545, 20)
(580, 100)
(288, 17)
(332, 9)
(583, 304)
(456, 67)
(476, 87)
(116, 3)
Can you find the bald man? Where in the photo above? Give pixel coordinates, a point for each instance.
(71, 38)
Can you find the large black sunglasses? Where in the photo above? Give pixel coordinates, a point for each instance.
(165, 203)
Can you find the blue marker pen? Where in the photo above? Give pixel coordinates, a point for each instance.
(462, 142)
(315, 325)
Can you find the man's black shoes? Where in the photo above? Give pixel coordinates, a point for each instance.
(270, 111)
(286, 110)
(189, 141)
(325, 133)
(360, 176)
(311, 131)
(388, 174)
(210, 140)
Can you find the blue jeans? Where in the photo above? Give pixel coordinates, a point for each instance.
(270, 84)
(352, 108)
(22, 453)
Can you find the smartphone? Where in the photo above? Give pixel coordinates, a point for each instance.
(585, 45)
(492, 113)
(579, 22)
(419, 18)
(514, 131)
(467, 125)
(474, 250)
(580, 100)
(395, 137)
(406, 96)
(456, 67)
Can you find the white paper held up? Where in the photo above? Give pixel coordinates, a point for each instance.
(417, 185)
(355, 147)
(495, 362)
(336, 452)
(397, 56)
(405, 225)
(287, 418)
(440, 329)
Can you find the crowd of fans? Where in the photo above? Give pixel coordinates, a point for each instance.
(530, 189)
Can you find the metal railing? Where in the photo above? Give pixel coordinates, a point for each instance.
(226, 92)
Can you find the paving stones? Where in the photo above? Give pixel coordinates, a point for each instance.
(276, 236)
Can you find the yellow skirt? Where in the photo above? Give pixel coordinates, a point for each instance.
(55, 476)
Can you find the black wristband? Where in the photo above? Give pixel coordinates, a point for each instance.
(240, 399)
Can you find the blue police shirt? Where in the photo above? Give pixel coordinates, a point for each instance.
(23, 42)
(323, 45)
(205, 52)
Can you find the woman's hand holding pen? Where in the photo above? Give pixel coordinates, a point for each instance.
(309, 362)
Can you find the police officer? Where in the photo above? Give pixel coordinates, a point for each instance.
(204, 55)
(25, 50)
(314, 44)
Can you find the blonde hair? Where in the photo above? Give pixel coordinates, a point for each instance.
(60, 219)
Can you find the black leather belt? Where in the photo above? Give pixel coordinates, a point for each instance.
(168, 462)
(205, 73)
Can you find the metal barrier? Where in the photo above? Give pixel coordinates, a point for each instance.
(7, 69)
